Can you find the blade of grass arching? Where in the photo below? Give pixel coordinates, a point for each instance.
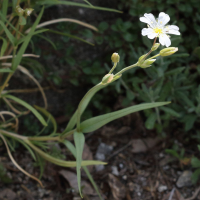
(71, 36)
(48, 40)
(6, 21)
(99, 121)
(28, 148)
(41, 163)
(6, 70)
(56, 2)
(23, 47)
(26, 105)
(8, 33)
(4, 46)
(4, 7)
(79, 140)
(51, 118)
(72, 149)
(88, 2)
(35, 33)
(15, 163)
(60, 162)
(64, 20)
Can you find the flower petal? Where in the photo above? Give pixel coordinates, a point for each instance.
(146, 31)
(164, 40)
(149, 19)
(152, 35)
(163, 19)
(172, 30)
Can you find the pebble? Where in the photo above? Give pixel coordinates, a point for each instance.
(115, 170)
(162, 188)
(184, 179)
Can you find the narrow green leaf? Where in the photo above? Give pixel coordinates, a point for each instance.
(29, 107)
(82, 106)
(22, 20)
(195, 162)
(48, 40)
(17, 59)
(71, 147)
(195, 176)
(4, 7)
(170, 111)
(6, 70)
(172, 152)
(174, 71)
(150, 122)
(56, 2)
(180, 55)
(60, 162)
(4, 46)
(50, 117)
(28, 148)
(35, 33)
(8, 33)
(79, 140)
(97, 122)
(71, 36)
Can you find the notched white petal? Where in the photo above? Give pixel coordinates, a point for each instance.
(163, 19)
(152, 35)
(146, 31)
(144, 19)
(164, 40)
(151, 19)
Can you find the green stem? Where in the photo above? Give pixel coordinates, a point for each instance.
(125, 69)
(155, 56)
(114, 66)
(13, 135)
(44, 138)
(67, 134)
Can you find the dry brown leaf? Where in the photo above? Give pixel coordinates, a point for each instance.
(176, 196)
(72, 179)
(142, 145)
(117, 188)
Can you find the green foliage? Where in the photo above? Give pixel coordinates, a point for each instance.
(196, 164)
(3, 176)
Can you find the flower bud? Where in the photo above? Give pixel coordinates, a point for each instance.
(107, 78)
(19, 10)
(155, 46)
(168, 51)
(28, 11)
(115, 57)
(147, 63)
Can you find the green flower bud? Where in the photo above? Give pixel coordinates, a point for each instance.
(147, 63)
(141, 59)
(155, 46)
(107, 78)
(28, 11)
(115, 57)
(19, 10)
(168, 51)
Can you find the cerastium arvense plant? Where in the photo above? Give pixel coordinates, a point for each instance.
(15, 40)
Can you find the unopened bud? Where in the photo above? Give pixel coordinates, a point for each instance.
(107, 78)
(168, 51)
(28, 11)
(19, 10)
(115, 57)
(155, 46)
(147, 63)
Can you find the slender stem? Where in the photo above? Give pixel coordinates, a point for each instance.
(155, 56)
(6, 82)
(125, 69)
(114, 66)
(67, 134)
(13, 135)
(44, 138)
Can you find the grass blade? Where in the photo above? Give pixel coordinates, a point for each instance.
(22, 49)
(97, 122)
(79, 140)
(26, 105)
(56, 2)
(4, 46)
(72, 149)
(8, 33)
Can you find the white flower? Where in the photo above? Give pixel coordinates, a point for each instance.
(157, 28)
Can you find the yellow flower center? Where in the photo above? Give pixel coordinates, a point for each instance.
(158, 30)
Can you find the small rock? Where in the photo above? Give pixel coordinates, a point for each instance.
(162, 188)
(115, 170)
(185, 179)
(102, 151)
